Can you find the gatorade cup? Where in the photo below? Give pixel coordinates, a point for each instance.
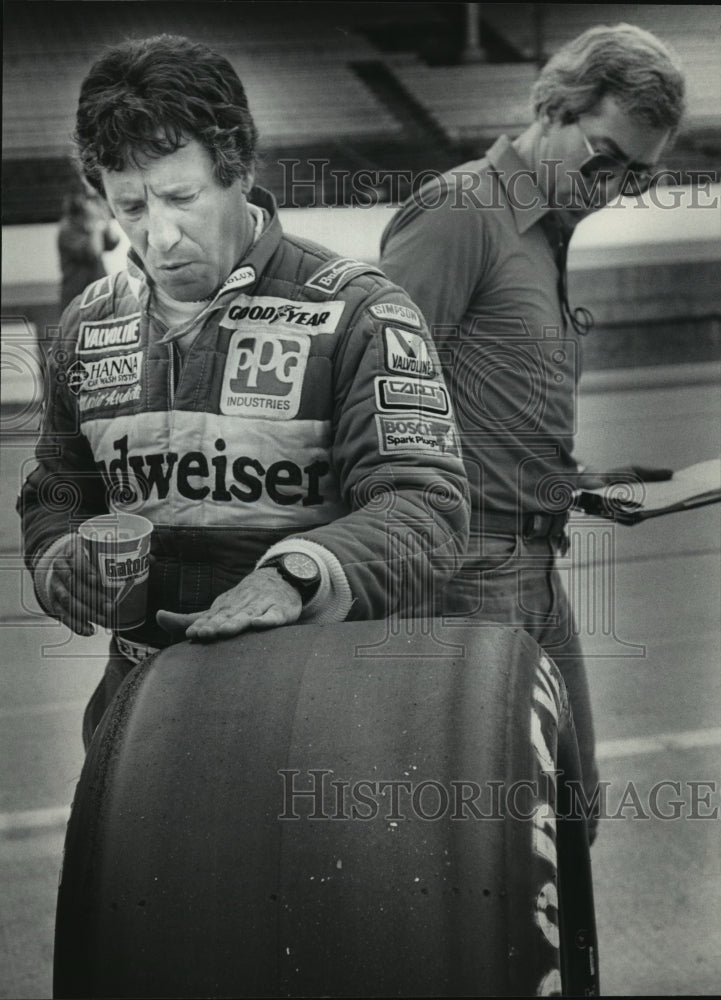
(119, 546)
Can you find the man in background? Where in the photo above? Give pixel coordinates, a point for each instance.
(482, 253)
(84, 235)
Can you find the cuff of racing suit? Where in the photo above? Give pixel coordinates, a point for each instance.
(43, 571)
(333, 599)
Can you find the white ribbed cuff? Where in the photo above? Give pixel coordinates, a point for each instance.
(333, 599)
(43, 571)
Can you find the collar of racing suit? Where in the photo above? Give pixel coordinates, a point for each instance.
(244, 275)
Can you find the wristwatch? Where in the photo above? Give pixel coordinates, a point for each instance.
(298, 569)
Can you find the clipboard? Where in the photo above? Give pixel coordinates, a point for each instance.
(630, 501)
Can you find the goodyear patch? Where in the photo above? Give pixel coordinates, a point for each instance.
(416, 435)
(411, 394)
(394, 312)
(407, 353)
(270, 312)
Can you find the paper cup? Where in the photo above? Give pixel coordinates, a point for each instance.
(119, 546)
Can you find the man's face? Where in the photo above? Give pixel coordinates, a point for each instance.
(596, 153)
(187, 229)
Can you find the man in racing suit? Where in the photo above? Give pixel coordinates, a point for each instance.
(247, 391)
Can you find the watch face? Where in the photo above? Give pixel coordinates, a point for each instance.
(301, 566)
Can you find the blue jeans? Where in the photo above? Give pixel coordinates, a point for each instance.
(514, 581)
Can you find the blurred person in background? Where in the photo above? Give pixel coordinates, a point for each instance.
(235, 386)
(85, 233)
(482, 253)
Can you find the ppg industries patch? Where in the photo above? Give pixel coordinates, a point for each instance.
(413, 434)
(264, 374)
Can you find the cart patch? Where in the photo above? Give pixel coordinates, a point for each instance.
(412, 394)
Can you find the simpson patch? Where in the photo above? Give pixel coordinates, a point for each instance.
(393, 312)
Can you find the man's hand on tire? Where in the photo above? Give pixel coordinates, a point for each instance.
(261, 600)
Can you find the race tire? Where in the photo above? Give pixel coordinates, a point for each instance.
(368, 809)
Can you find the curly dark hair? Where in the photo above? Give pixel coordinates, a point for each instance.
(148, 97)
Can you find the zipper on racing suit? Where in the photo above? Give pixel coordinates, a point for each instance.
(173, 372)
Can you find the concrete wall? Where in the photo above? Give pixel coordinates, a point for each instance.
(649, 270)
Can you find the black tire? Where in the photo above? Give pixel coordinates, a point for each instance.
(192, 869)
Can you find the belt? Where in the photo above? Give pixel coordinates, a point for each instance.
(133, 651)
(535, 524)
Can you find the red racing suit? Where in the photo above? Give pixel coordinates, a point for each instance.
(309, 414)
